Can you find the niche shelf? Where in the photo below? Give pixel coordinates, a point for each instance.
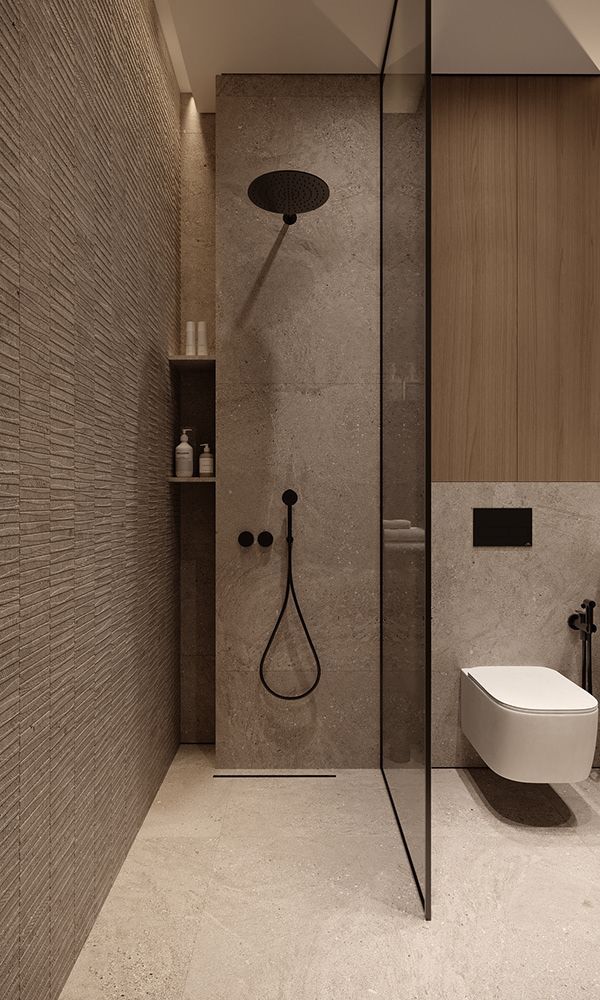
(186, 362)
(193, 387)
(195, 382)
(192, 480)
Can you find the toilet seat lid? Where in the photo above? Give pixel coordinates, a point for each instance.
(532, 689)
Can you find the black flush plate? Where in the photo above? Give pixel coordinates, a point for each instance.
(502, 526)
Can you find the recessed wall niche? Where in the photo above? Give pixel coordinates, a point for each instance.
(194, 382)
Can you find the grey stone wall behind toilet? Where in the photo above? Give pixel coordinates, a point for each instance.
(506, 605)
(297, 406)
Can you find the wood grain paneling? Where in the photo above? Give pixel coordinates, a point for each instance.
(89, 303)
(474, 279)
(559, 278)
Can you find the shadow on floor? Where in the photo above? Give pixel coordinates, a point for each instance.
(520, 804)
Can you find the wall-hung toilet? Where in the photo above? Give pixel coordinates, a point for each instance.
(529, 723)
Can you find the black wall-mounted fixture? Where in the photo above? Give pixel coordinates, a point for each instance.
(502, 526)
(288, 193)
(583, 621)
(246, 539)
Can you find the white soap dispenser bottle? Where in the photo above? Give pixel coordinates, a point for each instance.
(207, 461)
(184, 457)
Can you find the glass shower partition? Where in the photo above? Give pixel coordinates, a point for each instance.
(405, 475)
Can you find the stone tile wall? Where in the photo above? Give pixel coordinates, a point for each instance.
(89, 303)
(507, 605)
(298, 407)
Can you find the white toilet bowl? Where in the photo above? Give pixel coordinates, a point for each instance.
(529, 723)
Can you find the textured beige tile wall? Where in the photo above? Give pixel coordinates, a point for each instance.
(506, 605)
(196, 410)
(89, 305)
(298, 406)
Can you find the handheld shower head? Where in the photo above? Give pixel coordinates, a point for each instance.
(289, 193)
(290, 497)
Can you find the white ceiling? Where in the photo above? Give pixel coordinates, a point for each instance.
(515, 36)
(273, 36)
(209, 37)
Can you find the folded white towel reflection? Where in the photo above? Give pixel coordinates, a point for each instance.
(404, 536)
(398, 523)
(404, 546)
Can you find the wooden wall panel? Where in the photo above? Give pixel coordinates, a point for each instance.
(559, 278)
(474, 278)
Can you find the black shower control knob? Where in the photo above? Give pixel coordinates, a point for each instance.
(265, 539)
(246, 539)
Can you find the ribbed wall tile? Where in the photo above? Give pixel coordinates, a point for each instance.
(34, 458)
(89, 309)
(9, 500)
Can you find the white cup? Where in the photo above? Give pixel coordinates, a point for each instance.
(202, 341)
(190, 338)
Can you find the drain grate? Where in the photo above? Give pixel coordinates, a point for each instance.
(274, 775)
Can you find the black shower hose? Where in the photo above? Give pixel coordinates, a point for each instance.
(289, 498)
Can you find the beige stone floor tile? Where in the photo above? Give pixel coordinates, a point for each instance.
(304, 893)
(142, 941)
(283, 871)
(352, 803)
(190, 801)
(274, 924)
(583, 800)
(515, 892)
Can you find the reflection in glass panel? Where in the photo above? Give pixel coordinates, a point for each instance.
(405, 757)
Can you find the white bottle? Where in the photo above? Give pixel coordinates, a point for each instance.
(184, 457)
(202, 342)
(207, 461)
(190, 338)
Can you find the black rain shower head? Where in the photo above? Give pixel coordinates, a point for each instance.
(288, 193)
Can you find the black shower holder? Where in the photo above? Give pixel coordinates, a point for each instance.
(583, 622)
